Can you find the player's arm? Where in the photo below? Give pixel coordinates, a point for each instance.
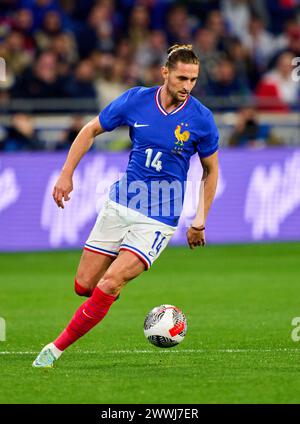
(208, 186)
(80, 146)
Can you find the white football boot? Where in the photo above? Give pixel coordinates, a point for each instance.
(46, 358)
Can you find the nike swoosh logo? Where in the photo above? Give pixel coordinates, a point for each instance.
(136, 125)
(86, 314)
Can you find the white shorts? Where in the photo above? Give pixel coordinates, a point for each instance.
(119, 228)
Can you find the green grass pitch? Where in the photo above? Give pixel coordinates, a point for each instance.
(239, 301)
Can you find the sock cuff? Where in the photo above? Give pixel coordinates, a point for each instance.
(98, 294)
(80, 290)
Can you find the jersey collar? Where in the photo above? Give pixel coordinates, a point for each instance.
(162, 110)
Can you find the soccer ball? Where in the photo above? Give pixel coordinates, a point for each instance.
(165, 326)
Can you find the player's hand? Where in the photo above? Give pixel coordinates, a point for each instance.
(196, 237)
(62, 189)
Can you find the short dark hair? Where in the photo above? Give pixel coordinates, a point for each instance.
(181, 53)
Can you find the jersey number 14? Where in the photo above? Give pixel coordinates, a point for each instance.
(156, 163)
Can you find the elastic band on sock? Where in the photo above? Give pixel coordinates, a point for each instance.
(81, 291)
(99, 294)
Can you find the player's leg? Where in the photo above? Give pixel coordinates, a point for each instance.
(140, 247)
(126, 267)
(100, 250)
(91, 269)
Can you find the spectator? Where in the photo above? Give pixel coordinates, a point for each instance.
(289, 40)
(64, 48)
(240, 57)
(237, 15)
(41, 81)
(51, 27)
(39, 9)
(216, 24)
(260, 43)
(153, 75)
(133, 75)
(14, 52)
(103, 64)
(82, 84)
(179, 26)
(249, 132)
(152, 50)
(86, 39)
(138, 28)
(277, 91)
(111, 81)
(23, 23)
(21, 135)
(227, 84)
(124, 50)
(4, 96)
(205, 45)
(101, 21)
(101, 30)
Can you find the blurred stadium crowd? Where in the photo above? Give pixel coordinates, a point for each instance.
(66, 56)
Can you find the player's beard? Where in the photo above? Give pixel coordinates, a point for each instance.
(177, 98)
(182, 96)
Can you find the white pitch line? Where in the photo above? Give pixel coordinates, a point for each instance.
(207, 351)
(18, 353)
(99, 352)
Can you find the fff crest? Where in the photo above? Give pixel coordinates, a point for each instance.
(181, 135)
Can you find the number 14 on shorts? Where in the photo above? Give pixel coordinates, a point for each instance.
(158, 241)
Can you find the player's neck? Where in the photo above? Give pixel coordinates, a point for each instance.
(167, 101)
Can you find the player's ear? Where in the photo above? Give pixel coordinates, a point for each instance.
(165, 72)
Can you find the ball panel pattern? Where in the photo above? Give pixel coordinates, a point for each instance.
(161, 341)
(154, 317)
(178, 316)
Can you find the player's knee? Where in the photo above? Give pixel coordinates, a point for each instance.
(111, 283)
(81, 290)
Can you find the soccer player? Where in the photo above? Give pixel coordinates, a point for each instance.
(167, 126)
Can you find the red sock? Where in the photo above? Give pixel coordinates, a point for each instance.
(90, 313)
(82, 291)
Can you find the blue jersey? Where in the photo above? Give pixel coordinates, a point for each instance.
(162, 144)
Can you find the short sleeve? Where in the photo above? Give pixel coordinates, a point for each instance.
(209, 142)
(115, 114)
